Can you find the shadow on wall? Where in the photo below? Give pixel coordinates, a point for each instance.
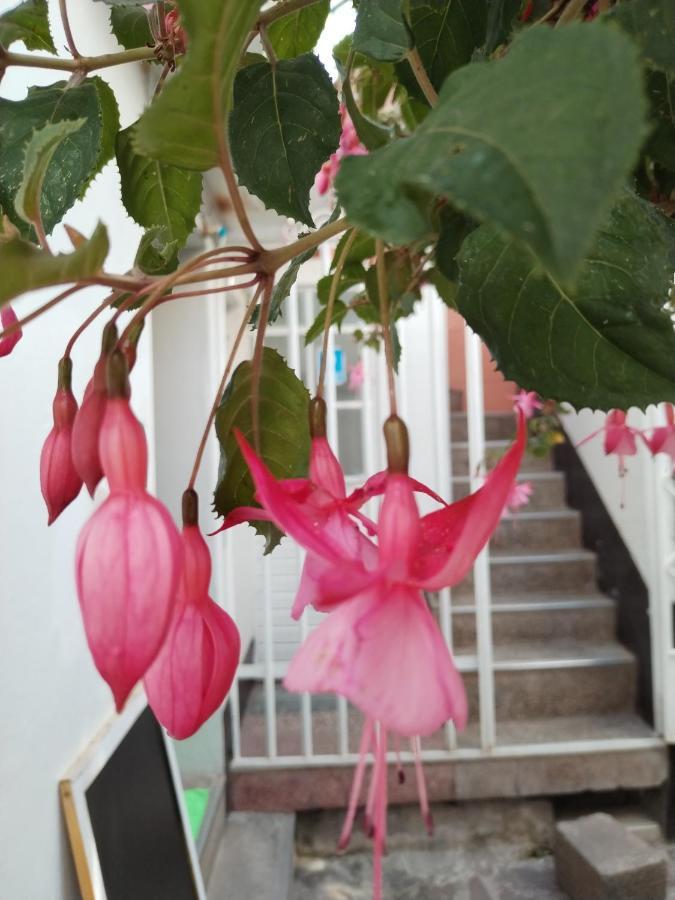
(498, 392)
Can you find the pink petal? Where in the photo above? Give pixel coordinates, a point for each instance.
(384, 653)
(86, 431)
(122, 447)
(8, 318)
(398, 527)
(325, 470)
(59, 480)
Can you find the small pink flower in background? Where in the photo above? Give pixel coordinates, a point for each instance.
(8, 318)
(620, 439)
(357, 376)
(519, 496)
(527, 402)
(129, 554)
(350, 145)
(59, 480)
(193, 672)
(662, 439)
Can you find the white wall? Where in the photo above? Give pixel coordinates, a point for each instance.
(51, 699)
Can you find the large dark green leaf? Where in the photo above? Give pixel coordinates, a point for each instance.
(27, 22)
(131, 26)
(611, 343)
(76, 161)
(652, 24)
(158, 195)
(661, 144)
(284, 434)
(502, 16)
(546, 169)
(284, 125)
(25, 267)
(381, 32)
(298, 32)
(182, 126)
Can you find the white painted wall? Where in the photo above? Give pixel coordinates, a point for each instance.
(51, 698)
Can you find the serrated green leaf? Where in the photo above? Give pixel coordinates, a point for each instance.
(285, 123)
(611, 343)
(157, 195)
(381, 32)
(25, 267)
(27, 22)
(157, 252)
(182, 126)
(284, 433)
(445, 288)
(362, 248)
(39, 152)
(651, 23)
(131, 26)
(454, 227)
(298, 32)
(75, 162)
(582, 126)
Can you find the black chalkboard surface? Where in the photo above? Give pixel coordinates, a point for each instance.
(136, 822)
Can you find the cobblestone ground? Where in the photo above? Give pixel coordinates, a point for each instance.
(488, 851)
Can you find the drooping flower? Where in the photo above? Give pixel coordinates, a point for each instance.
(193, 672)
(662, 439)
(620, 438)
(129, 554)
(350, 145)
(527, 402)
(519, 495)
(356, 376)
(89, 418)
(59, 480)
(8, 318)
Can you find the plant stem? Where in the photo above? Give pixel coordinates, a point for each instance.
(339, 266)
(422, 77)
(283, 9)
(81, 64)
(87, 322)
(221, 387)
(256, 365)
(40, 310)
(571, 12)
(383, 291)
(271, 260)
(70, 40)
(225, 162)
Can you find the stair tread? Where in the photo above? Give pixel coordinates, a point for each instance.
(553, 475)
(553, 598)
(566, 728)
(562, 512)
(562, 650)
(553, 556)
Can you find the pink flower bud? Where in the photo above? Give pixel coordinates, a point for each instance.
(194, 670)
(59, 480)
(8, 318)
(128, 559)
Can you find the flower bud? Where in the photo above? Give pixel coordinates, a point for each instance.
(122, 447)
(59, 479)
(8, 318)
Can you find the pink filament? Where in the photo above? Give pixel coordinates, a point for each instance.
(357, 782)
(422, 786)
(380, 814)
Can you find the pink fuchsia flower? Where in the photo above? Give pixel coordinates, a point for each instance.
(129, 554)
(519, 495)
(88, 421)
(350, 145)
(527, 402)
(193, 672)
(620, 438)
(59, 480)
(357, 376)
(8, 318)
(662, 439)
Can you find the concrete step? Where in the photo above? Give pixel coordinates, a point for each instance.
(566, 570)
(494, 450)
(611, 765)
(498, 426)
(548, 493)
(538, 530)
(513, 621)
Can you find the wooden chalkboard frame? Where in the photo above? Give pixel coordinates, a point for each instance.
(73, 790)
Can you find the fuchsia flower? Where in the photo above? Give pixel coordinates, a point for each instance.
(357, 376)
(8, 318)
(662, 439)
(519, 495)
(527, 402)
(193, 672)
(59, 480)
(350, 145)
(129, 554)
(88, 421)
(620, 438)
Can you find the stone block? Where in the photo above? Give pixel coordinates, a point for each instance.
(597, 858)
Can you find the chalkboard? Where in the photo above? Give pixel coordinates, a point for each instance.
(136, 822)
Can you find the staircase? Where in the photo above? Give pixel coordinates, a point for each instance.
(560, 676)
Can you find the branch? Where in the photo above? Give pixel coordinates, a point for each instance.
(271, 260)
(70, 40)
(84, 64)
(422, 77)
(282, 9)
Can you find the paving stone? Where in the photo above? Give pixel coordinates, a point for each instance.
(597, 858)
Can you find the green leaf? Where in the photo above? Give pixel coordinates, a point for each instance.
(298, 32)
(362, 248)
(353, 274)
(454, 227)
(316, 329)
(285, 123)
(652, 25)
(582, 126)
(183, 125)
(158, 195)
(25, 267)
(381, 32)
(661, 144)
(27, 22)
(446, 33)
(75, 162)
(157, 252)
(446, 289)
(372, 134)
(502, 16)
(39, 152)
(611, 343)
(284, 434)
(131, 26)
